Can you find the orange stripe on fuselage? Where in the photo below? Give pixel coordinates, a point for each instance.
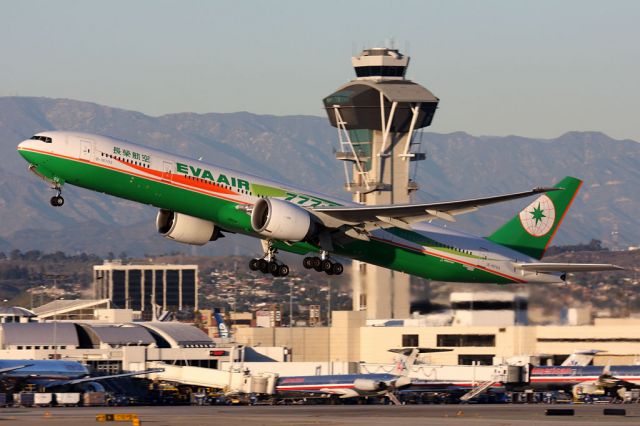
(442, 256)
(148, 172)
(184, 180)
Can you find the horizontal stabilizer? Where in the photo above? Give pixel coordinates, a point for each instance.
(112, 376)
(408, 350)
(566, 267)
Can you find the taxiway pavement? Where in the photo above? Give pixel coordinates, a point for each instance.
(365, 415)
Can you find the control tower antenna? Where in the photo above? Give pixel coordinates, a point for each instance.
(377, 116)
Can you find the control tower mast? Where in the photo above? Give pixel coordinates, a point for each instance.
(377, 116)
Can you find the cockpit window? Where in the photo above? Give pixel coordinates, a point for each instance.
(45, 139)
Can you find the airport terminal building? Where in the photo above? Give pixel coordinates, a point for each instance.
(483, 328)
(111, 347)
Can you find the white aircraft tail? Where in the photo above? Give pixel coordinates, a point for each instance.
(409, 356)
(581, 358)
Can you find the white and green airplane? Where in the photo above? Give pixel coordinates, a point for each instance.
(198, 202)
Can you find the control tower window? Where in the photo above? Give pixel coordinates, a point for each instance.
(44, 139)
(380, 71)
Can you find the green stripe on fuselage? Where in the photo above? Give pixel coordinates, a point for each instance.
(425, 241)
(147, 191)
(417, 263)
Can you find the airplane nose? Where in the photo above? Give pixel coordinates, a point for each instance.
(22, 148)
(27, 143)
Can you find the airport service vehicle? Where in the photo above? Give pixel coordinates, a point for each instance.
(49, 374)
(199, 202)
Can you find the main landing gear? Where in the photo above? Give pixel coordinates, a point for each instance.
(269, 264)
(57, 200)
(323, 264)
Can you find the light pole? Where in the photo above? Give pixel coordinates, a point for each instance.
(291, 304)
(291, 320)
(330, 365)
(41, 290)
(329, 303)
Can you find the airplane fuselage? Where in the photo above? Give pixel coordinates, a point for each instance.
(342, 384)
(565, 377)
(214, 193)
(43, 369)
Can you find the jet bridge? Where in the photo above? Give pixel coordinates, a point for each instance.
(230, 381)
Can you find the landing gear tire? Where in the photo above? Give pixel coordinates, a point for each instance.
(273, 268)
(263, 266)
(307, 262)
(283, 270)
(316, 263)
(326, 265)
(337, 268)
(57, 201)
(253, 264)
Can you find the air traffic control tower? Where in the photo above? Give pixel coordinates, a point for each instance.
(377, 116)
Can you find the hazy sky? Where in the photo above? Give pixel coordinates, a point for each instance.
(531, 68)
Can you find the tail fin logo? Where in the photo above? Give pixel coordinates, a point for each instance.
(538, 217)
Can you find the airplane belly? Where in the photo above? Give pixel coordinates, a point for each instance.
(429, 264)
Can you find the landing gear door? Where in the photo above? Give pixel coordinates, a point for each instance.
(86, 149)
(167, 170)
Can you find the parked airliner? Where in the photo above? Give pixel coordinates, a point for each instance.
(199, 202)
(50, 374)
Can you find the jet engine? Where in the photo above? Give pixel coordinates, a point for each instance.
(282, 220)
(369, 385)
(186, 229)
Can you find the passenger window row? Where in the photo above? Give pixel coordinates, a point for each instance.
(219, 185)
(126, 160)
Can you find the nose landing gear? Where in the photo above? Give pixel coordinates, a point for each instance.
(57, 200)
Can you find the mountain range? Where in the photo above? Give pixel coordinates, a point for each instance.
(299, 150)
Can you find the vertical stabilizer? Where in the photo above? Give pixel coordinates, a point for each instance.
(531, 231)
(581, 358)
(223, 331)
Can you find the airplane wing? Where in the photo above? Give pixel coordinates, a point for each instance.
(608, 380)
(114, 376)
(566, 267)
(14, 368)
(408, 350)
(98, 378)
(344, 393)
(401, 215)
